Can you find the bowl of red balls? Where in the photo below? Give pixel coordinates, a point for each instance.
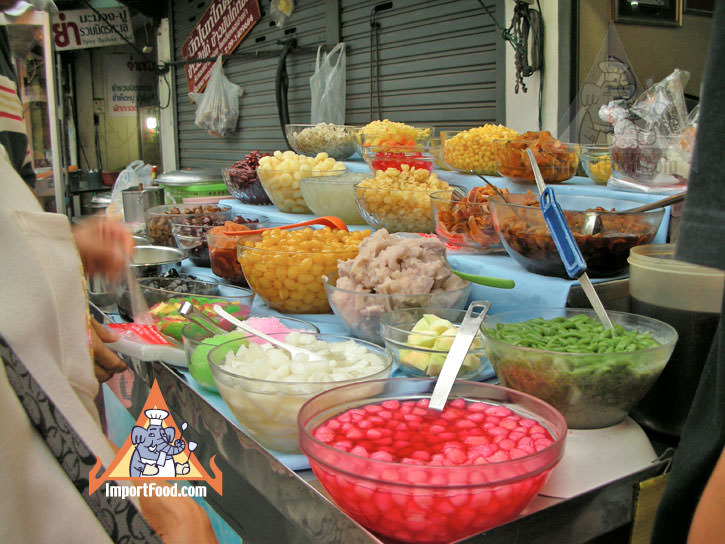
(242, 180)
(413, 474)
(382, 157)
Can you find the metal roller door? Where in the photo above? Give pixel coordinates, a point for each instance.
(440, 63)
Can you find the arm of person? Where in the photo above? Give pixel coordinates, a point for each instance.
(708, 523)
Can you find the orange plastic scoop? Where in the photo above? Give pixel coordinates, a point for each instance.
(331, 221)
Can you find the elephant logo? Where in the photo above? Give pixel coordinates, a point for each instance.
(156, 449)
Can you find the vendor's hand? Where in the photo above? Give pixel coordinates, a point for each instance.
(106, 362)
(105, 246)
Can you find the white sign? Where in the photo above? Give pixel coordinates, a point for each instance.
(81, 28)
(129, 79)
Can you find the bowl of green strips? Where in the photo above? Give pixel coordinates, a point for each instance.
(565, 357)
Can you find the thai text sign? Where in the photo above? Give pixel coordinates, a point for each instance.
(219, 31)
(81, 28)
(129, 81)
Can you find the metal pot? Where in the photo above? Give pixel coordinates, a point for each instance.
(137, 201)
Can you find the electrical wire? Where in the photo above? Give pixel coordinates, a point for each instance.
(281, 86)
(375, 46)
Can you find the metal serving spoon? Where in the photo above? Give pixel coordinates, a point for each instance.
(593, 222)
(292, 350)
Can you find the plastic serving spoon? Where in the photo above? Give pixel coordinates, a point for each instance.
(500, 283)
(461, 344)
(292, 350)
(571, 256)
(328, 221)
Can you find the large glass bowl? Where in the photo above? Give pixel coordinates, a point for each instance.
(223, 250)
(411, 500)
(557, 164)
(164, 297)
(283, 187)
(472, 150)
(421, 352)
(333, 195)
(591, 390)
(383, 157)
(338, 141)
(267, 409)
(397, 210)
(525, 236)
(465, 222)
(198, 342)
(160, 218)
(361, 311)
(290, 281)
(248, 190)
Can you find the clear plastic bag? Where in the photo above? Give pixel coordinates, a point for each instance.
(135, 174)
(327, 87)
(217, 108)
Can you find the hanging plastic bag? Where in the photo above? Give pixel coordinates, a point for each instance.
(135, 174)
(280, 10)
(327, 87)
(217, 107)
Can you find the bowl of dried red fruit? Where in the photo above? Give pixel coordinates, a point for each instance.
(242, 180)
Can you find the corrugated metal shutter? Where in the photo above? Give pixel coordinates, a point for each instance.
(440, 64)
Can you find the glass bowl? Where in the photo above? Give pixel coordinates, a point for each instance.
(160, 218)
(290, 281)
(466, 222)
(558, 161)
(198, 342)
(192, 240)
(526, 238)
(397, 210)
(419, 339)
(361, 311)
(596, 163)
(333, 195)
(223, 249)
(472, 150)
(164, 297)
(445, 490)
(267, 407)
(591, 390)
(283, 187)
(338, 141)
(384, 157)
(245, 186)
(386, 133)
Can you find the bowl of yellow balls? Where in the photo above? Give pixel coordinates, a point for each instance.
(596, 163)
(472, 151)
(398, 200)
(286, 266)
(280, 175)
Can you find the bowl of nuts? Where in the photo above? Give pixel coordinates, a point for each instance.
(335, 140)
(285, 267)
(281, 173)
(160, 218)
(242, 180)
(398, 200)
(472, 150)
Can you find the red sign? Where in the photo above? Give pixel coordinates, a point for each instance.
(219, 31)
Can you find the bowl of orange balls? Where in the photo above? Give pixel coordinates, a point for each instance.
(472, 151)
(286, 266)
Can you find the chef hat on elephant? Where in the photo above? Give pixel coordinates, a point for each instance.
(156, 416)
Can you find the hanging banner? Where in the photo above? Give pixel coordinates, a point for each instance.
(219, 31)
(82, 28)
(129, 81)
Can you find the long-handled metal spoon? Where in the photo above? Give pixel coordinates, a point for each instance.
(289, 348)
(593, 222)
(574, 263)
(461, 344)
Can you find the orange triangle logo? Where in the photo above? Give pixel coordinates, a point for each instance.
(156, 450)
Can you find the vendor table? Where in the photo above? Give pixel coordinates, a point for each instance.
(271, 497)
